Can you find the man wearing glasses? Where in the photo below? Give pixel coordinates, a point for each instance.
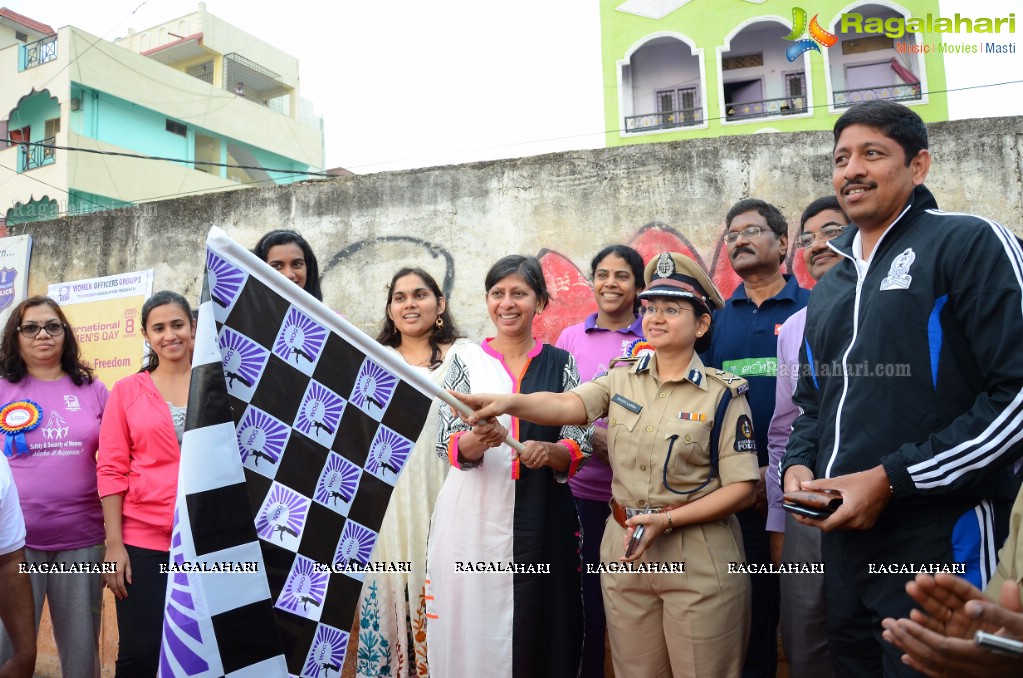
(745, 343)
(802, 597)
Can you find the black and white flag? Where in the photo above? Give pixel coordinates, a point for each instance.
(298, 427)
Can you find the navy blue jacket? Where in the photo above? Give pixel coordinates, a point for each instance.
(916, 364)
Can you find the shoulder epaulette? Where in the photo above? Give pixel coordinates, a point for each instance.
(736, 384)
(622, 362)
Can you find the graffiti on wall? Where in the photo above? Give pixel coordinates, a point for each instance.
(572, 292)
(570, 287)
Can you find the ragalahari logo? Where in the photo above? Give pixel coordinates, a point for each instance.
(818, 36)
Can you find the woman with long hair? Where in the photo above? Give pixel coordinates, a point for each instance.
(291, 256)
(509, 514)
(51, 405)
(419, 327)
(140, 447)
(684, 462)
(617, 275)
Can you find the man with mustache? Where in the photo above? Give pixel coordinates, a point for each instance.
(802, 596)
(745, 342)
(910, 387)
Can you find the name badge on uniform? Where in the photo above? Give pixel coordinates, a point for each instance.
(626, 403)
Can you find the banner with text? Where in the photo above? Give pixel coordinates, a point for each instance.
(106, 316)
(15, 253)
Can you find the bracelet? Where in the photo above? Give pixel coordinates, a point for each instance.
(669, 528)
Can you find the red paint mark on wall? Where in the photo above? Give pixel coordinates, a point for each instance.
(572, 292)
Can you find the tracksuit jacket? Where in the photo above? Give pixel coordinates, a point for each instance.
(936, 323)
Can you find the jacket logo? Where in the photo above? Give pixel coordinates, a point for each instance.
(898, 277)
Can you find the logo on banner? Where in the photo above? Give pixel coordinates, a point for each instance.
(7, 276)
(818, 36)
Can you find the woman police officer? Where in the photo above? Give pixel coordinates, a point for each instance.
(684, 461)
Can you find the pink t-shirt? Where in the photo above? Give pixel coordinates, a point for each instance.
(57, 480)
(593, 348)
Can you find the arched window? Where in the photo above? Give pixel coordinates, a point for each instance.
(757, 80)
(868, 65)
(662, 85)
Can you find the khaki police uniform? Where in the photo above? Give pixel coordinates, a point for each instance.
(696, 623)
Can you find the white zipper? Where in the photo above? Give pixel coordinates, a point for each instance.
(861, 276)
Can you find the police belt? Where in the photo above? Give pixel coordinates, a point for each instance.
(622, 513)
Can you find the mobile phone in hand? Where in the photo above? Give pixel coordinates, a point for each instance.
(637, 534)
(800, 510)
(816, 505)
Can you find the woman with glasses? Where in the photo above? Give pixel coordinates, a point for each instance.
(140, 447)
(50, 411)
(684, 461)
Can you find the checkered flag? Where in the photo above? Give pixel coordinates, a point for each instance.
(298, 427)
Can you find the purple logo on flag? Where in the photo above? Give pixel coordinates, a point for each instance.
(226, 282)
(327, 652)
(7, 276)
(300, 341)
(282, 516)
(387, 455)
(262, 439)
(373, 389)
(180, 619)
(354, 547)
(320, 413)
(304, 589)
(337, 484)
(243, 361)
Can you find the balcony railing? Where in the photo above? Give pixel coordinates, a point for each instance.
(665, 120)
(848, 97)
(37, 154)
(766, 108)
(39, 52)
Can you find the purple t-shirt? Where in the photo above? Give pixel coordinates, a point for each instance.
(593, 348)
(57, 480)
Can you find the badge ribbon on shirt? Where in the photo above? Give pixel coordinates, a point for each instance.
(17, 419)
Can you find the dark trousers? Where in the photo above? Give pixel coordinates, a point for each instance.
(858, 599)
(592, 516)
(762, 651)
(140, 615)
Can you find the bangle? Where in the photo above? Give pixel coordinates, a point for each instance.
(669, 528)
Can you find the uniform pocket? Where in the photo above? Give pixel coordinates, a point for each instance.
(691, 451)
(621, 423)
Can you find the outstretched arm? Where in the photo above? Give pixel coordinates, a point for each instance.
(544, 408)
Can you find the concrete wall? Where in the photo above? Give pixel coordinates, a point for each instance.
(456, 221)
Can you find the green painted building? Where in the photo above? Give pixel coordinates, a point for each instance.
(678, 69)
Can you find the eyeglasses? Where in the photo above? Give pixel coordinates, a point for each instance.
(666, 311)
(749, 233)
(30, 330)
(827, 233)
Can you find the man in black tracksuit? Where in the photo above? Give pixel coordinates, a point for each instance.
(912, 385)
